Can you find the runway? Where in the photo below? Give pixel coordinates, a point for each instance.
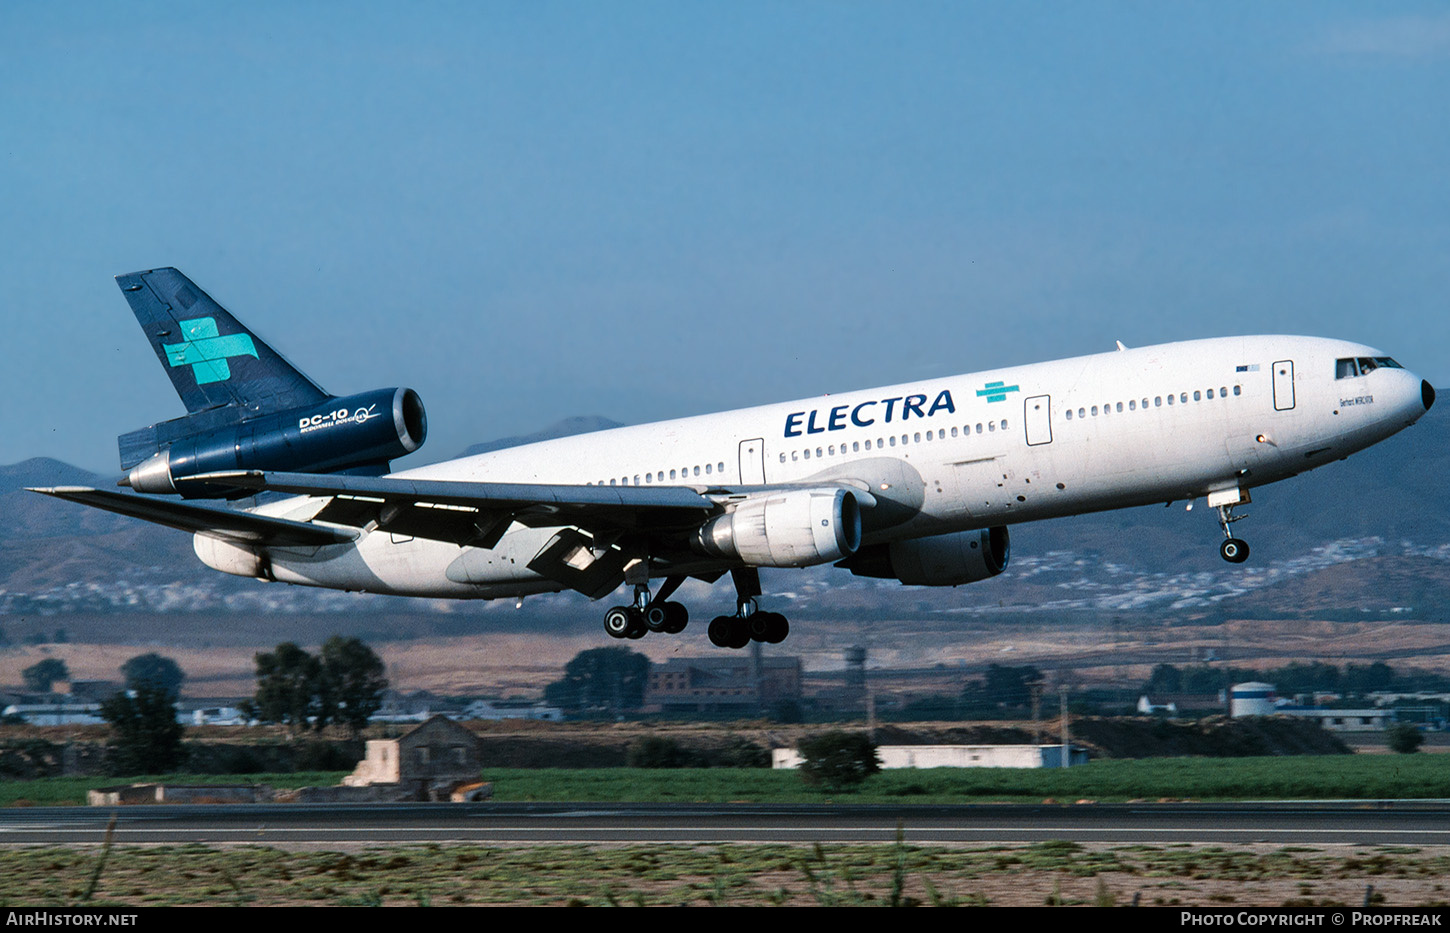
(1318, 823)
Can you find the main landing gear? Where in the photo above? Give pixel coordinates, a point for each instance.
(655, 614)
(648, 615)
(749, 623)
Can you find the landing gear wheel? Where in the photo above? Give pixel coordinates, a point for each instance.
(657, 617)
(670, 618)
(769, 627)
(776, 628)
(617, 622)
(1234, 550)
(738, 633)
(624, 622)
(676, 618)
(719, 631)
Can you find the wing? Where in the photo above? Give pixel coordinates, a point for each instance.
(477, 514)
(243, 527)
(589, 553)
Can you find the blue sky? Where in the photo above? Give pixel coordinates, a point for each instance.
(645, 210)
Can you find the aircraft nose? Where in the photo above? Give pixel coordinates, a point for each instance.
(1427, 393)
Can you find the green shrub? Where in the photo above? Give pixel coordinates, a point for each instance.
(1404, 738)
(838, 761)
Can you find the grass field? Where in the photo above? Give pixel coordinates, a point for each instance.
(1354, 777)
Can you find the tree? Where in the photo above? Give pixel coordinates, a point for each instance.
(147, 737)
(288, 679)
(40, 676)
(1004, 687)
(601, 678)
(838, 761)
(1403, 738)
(155, 671)
(352, 683)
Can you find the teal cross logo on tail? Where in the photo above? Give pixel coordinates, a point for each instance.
(206, 352)
(996, 391)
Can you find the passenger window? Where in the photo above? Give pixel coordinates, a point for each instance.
(1223, 391)
(1132, 405)
(1210, 393)
(1238, 390)
(1069, 414)
(1197, 395)
(1157, 401)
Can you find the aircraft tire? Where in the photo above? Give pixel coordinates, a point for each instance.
(776, 629)
(676, 618)
(1234, 550)
(719, 631)
(617, 622)
(738, 632)
(657, 617)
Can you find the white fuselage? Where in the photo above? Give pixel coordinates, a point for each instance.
(1116, 429)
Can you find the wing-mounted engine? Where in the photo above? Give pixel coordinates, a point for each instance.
(790, 528)
(940, 560)
(359, 433)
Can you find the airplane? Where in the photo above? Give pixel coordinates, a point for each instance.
(915, 482)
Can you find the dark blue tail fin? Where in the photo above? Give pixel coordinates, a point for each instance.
(212, 359)
(223, 372)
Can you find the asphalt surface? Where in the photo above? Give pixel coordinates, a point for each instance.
(1317, 823)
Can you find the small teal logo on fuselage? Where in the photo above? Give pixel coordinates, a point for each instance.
(206, 352)
(996, 391)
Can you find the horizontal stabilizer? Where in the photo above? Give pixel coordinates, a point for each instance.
(244, 527)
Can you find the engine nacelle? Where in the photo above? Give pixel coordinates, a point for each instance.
(342, 433)
(940, 560)
(795, 528)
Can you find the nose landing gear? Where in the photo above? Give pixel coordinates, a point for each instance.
(1234, 550)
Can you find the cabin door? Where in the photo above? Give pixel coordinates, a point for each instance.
(1037, 415)
(752, 462)
(1283, 385)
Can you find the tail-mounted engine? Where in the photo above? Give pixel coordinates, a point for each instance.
(940, 560)
(358, 433)
(795, 528)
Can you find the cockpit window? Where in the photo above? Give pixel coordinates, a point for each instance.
(1349, 367)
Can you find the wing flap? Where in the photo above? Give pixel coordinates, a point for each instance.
(476, 513)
